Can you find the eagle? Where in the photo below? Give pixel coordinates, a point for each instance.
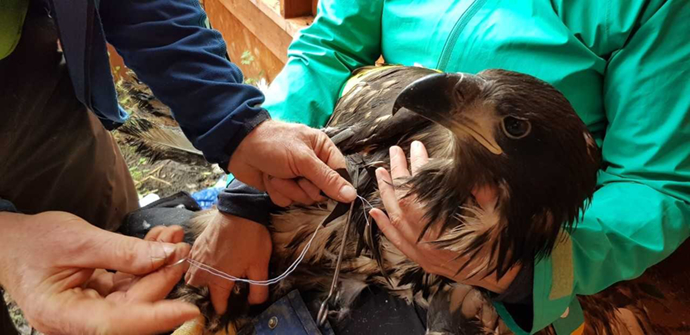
(506, 129)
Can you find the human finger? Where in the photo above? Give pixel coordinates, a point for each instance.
(258, 293)
(486, 196)
(101, 281)
(327, 179)
(136, 318)
(390, 201)
(157, 285)
(276, 196)
(418, 156)
(388, 196)
(107, 250)
(220, 295)
(312, 191)
(291, 189)
(398, 163)
(172, 234)
(320, 165)
(393, 234)
(154, 233)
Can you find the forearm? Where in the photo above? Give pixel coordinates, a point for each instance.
(629, 228)
(169, 47)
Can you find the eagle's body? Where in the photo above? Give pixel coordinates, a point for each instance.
(473, 128)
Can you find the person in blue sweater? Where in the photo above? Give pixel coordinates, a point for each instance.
(64, 186)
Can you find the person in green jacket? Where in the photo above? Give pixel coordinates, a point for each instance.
(624, 66)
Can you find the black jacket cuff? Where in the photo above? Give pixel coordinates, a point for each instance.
(246, 202)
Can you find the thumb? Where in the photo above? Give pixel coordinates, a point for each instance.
(107, 250)
(327, 180)
(139, 318)
(320, 169)
(157, 285)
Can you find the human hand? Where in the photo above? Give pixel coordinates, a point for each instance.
(236, 246)
(52, 265)
(276, 154)
(405, 222)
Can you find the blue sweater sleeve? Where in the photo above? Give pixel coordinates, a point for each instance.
(173, 50)
(7, 206)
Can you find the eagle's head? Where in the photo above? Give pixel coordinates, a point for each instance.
(512, 132)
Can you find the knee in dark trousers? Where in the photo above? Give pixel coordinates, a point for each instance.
(6, 324)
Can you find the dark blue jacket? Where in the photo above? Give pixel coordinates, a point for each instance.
(171, 47)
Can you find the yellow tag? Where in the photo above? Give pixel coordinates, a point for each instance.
(562, 275)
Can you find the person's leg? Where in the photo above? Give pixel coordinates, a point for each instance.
(375, 312)
(6, 324)
(54, 153)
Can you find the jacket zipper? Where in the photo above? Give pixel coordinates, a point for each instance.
(455, 32)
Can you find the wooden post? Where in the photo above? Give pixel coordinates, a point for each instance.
(295, 8)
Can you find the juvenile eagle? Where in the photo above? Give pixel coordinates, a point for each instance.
(500, 128)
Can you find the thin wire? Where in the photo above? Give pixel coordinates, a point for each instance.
(268, 282)
(364, 211)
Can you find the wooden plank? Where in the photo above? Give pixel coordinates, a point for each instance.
(259, 60)
(271, 8)
(255, 26)
(257, 22)
(295, 8)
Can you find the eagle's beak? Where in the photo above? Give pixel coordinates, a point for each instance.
(450, 100)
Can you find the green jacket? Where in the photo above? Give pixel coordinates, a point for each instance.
(623, 64)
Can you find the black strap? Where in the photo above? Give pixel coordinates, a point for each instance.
(341, 208)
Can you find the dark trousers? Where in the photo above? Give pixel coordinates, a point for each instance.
(54, 153)
(6, 325)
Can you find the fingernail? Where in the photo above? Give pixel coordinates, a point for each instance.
(165, 252)
(348, 193)
(379, 172)
(417, 144)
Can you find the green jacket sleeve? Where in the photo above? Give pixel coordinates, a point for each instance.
(641, 213)
(345, 35)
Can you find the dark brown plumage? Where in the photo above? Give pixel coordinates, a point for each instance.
(501, 128)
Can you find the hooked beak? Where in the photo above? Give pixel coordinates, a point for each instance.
(448, 100)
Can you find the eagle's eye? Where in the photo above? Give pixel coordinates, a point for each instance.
(516, 127)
